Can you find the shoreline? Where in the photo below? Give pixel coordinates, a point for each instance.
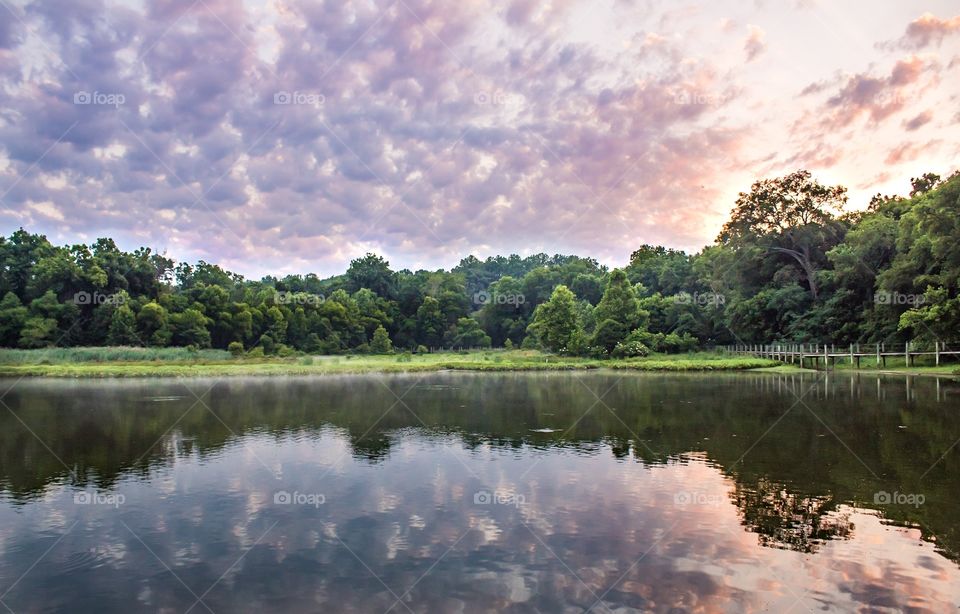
(373, 365)
(478, 361)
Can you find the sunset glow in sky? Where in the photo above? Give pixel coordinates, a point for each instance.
(291, 136)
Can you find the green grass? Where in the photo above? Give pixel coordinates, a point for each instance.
(60, 363)
(920, 365)
(56, 356)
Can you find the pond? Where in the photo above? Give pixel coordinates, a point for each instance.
(459, 492)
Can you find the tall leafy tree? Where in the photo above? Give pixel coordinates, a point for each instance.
(373, 273)
(555, 322)
(794, 216)
(381, 343)
(13, 315)
(123, 327)
(430, 323)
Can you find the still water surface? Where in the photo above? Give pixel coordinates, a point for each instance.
(602, 492)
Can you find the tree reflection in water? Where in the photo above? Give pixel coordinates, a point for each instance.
(790, 481)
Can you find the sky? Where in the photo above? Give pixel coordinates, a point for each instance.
(278, 136)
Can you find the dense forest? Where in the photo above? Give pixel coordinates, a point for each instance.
(790, 265)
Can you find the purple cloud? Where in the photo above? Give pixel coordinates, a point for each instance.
(296, 136)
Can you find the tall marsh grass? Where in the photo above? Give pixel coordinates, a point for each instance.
(54, 356)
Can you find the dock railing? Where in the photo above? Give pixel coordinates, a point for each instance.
(827, 355)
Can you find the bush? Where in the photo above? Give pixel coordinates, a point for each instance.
(579, 345)
(676, 344)
(405, 357)
(508, 345)
(608, 334)
(267, 343)
(236, 349)
(597, 351)
(422, 349)
(256, 352)
(630, 349)
(670, 343)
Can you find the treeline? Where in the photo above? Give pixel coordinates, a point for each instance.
(790, 265)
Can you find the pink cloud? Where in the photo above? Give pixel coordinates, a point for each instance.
(873, 97)
(908, 152)
(926, 30)
(918, 121)
(755, 43)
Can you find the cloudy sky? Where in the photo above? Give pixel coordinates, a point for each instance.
(293, 135)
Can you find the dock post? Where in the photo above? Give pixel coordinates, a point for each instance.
(936, 349)
(907, 352)
(878, 355)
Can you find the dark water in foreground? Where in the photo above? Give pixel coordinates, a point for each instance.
(481, 492)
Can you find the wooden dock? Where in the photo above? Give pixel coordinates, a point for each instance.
(826, 356)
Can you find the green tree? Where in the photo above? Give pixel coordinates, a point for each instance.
(587, 287)
(48, 322)
(153, 324)
(190, 328)
(608, 334)
(620, 303)
(467, 333)
(792, 215)
(381, 343)
(38, 332)
(123, 327)
(276, 324)
(373, 273)
(925, 274)
(430, 323)
(503, 314)
(13, 315)
(555, 321)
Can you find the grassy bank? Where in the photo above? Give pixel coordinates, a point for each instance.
(124, 362)
(919, 365)
(58, 355)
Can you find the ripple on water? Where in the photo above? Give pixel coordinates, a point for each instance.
(84, 560)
